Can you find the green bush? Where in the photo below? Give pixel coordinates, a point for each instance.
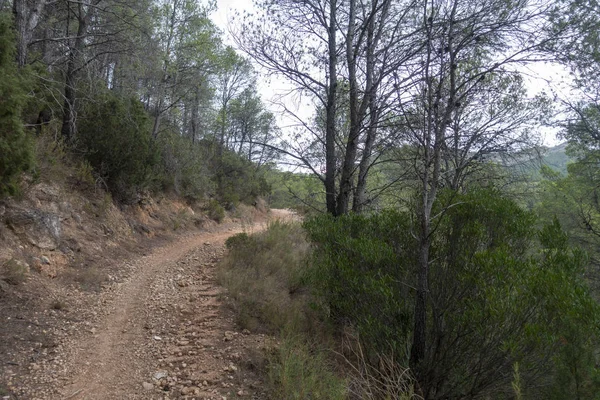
(16, 148)
(183, 168)
(361, 270)
(115, 133)
(238, 180)
(215, 211)
(268, 279)
(240, 242)
(301, 192)
(498, 296)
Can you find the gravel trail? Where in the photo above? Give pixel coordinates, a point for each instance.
(163, 332)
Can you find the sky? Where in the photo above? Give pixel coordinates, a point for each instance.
(542, 77)
(269, 90)
(225, 8)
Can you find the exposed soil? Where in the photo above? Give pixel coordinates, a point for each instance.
(157, 329)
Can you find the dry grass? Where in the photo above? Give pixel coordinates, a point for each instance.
(14, 272)
(265, 274)
(268, 279)
(300, 371)
(385, 379)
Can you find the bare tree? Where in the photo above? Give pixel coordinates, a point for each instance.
(342, 57)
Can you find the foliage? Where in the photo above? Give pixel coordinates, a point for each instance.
(573, 198)
(301, 192)
(238, 180)
(498, 296)
(299, 371)
(15, 145)
(383, 379)
(360, 271)
(14, 272)
(115, 134)
(249, 126)
(183, 167)
(215, 211)
(265, 275)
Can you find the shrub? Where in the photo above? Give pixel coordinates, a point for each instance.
(238, 180)
(299, 371)
(383, 379)
(272, 287)
(361, 271)
(183, 167)
(265, 275)
(14, 272)
(115, 133)
(498, 296)
(215, 211)
(16, 148)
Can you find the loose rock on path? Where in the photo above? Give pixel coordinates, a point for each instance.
(163, 332)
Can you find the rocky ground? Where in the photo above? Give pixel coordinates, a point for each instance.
(157, 329)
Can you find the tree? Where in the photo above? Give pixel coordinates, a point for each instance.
(502, 290)
(27, 16)
(115, 134)
(188, 44)
(323, 49)
(234, 77)
(251, 126)
(298, 40)
(464, 66)
(574, 198)
(377, 47)
(15, 146)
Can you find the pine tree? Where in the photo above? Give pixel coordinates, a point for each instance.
(16, 154)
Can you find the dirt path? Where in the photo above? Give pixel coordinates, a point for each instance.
(161, 333)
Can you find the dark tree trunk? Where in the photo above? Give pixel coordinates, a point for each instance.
(20, 13)
(360, 194)
(330, 131)
(417, 351)
(346, 182)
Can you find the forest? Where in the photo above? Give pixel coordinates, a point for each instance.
(444, 253)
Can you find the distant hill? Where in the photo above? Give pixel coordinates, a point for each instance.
(556, 158)
(529, 163)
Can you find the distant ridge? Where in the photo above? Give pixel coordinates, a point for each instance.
(556, 157)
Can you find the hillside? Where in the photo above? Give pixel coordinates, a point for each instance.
(556, 157)
(84, 281)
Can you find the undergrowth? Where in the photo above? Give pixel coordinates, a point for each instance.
(299, 370)
(271, 281)
(14, 272)
(268, 281)
(266, 276)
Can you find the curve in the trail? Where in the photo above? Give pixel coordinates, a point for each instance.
(165, 333)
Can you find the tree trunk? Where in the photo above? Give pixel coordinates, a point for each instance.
(346, 182)
(69, 112)
(26, 20)
(417, 351)
(360, 194)
(330, 109)
(20, 13)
